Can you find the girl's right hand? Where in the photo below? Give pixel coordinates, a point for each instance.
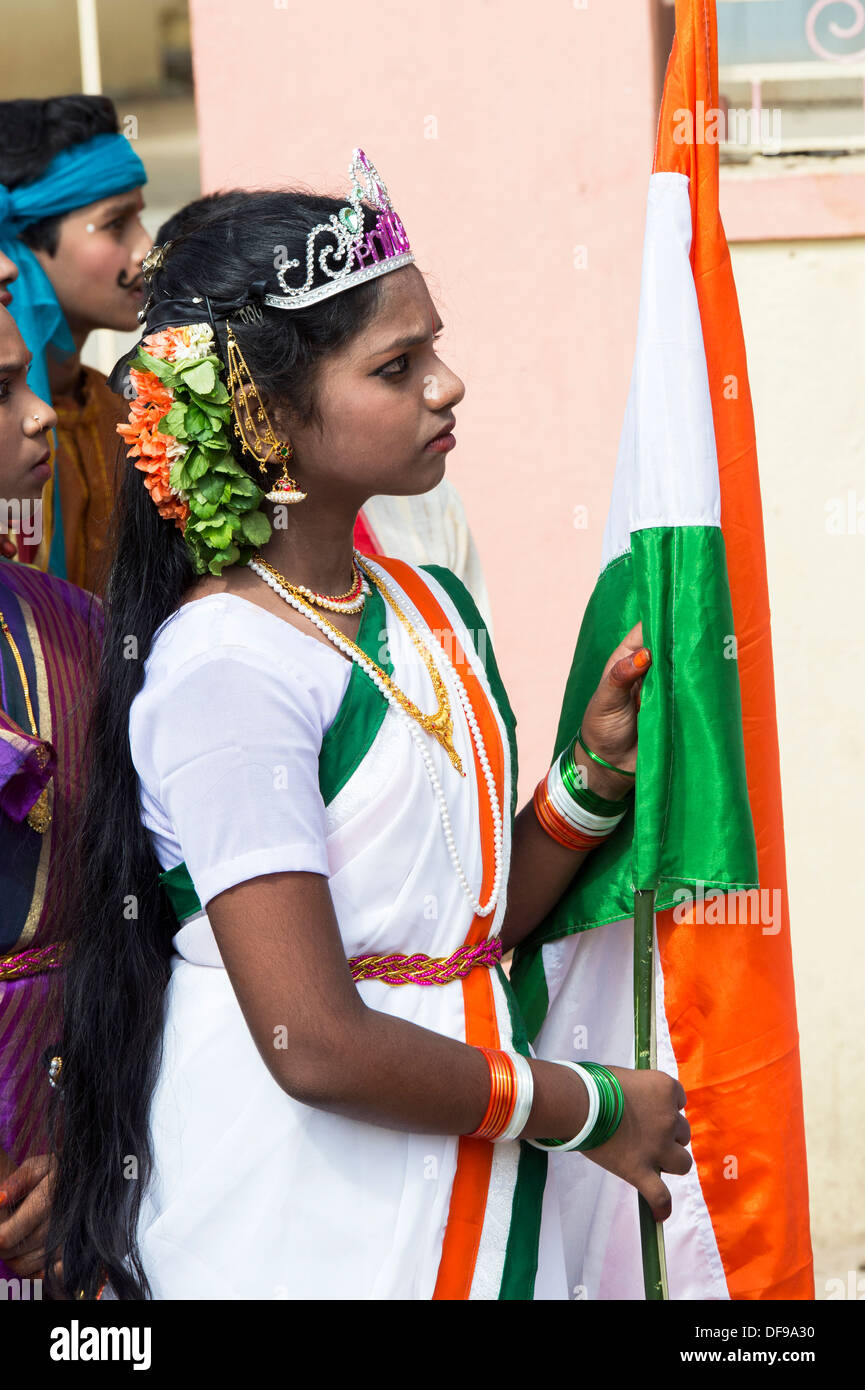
(651, 1137)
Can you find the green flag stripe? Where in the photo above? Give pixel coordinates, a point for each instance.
(529, 983)
(692, 781)
(690, 819)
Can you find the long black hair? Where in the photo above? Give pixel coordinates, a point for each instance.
(119, 962)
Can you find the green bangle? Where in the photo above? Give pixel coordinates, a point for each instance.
(622, 771)
(583, 795)
(612, 1107)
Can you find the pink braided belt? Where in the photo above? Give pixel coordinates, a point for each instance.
(426, 970)
(36, 961)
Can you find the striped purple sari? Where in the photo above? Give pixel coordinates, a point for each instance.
(57, 630)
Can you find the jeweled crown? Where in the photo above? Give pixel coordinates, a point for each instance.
(363, 253)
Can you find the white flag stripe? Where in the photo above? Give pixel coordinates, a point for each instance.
(667, 465)
(591, 1015)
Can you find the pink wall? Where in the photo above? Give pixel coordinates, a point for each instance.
(795, 205)
(545, 116)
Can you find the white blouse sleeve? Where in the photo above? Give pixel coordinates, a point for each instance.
(234, 753)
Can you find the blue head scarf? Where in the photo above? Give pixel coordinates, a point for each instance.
(85, 173)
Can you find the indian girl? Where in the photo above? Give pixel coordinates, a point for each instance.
(292, 1065)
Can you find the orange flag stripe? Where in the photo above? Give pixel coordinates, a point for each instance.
(729, 991)
(474, 1156)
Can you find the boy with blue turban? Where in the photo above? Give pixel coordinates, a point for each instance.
(70, 204)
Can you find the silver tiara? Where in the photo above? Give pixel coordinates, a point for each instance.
(364, 253)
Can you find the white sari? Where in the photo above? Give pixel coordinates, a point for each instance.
(255, 1195)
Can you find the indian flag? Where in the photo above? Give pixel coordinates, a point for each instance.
(683, 552)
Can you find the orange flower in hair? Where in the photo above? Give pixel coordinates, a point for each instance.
(154, 452)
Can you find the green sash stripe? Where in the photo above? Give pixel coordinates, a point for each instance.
(363, 708)
(470, 614)
(521, 1254)
(181, 892)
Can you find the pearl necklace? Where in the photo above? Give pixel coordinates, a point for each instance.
(374, 572)
(480, 910)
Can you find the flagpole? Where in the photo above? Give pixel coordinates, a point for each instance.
(651, 1231)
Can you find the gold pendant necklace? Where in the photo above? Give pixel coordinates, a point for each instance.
(39, 815)
(440, 724)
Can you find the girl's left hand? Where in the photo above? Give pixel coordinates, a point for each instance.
(610, 722)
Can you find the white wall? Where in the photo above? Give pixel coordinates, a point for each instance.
(803, 309)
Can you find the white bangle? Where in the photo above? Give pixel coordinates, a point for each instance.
(594, 1110)
(588, 821)
(525, 1096)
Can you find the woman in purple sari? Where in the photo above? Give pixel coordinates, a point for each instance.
(49, 635)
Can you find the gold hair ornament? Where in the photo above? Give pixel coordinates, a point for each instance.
(241, 386)
(154, 260)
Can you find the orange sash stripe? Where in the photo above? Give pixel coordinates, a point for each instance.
(475, 1156)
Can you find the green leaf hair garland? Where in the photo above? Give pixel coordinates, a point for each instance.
(178, 434)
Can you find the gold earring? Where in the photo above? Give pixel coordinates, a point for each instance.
(267, 446)
(285, 488)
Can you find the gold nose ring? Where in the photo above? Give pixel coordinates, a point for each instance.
(36, 418)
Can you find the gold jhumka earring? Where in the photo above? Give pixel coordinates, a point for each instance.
(266, 445)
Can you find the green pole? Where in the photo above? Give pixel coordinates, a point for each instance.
(651, 1231)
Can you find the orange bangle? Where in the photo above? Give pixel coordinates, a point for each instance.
(556, 827)
(503, 1096)
(499, 1078)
